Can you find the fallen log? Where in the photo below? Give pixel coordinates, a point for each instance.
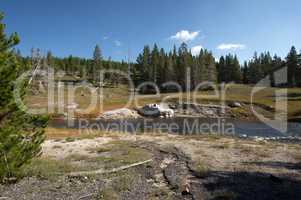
(102, 171)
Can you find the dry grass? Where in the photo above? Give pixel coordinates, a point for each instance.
(121, 181)
(297, 156)
(118, 97)
(47, 168)
(118, 153)
(258, 150)
(201, 169)
(222, 146)
(69, 134)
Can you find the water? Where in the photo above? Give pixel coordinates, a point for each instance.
(184, 126)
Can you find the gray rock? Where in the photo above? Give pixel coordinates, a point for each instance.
(155, 110)
(235, 105)
(123, 113)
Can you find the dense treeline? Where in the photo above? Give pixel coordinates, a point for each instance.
(179, 65)
(264, 64)
(82, 68)
(160, 67)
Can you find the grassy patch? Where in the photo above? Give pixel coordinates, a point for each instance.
(222, 146)
(121, 181)
(123, 153)
(70, 139)
(213, 137)
(46, 168)
(102, 149)
(118, 153)
(57, 147)
(59, 134)
(297, 156)
(201, 169)
(108, 194)
(76, 157)
(161, 193)
(117, 98)
(258, 151)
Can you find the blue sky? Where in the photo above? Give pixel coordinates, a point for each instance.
(75, 26)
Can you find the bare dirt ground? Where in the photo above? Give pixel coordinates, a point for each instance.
(181, 167)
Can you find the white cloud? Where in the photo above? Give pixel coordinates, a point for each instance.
(230, 46)
(105, 38)
(196, 50)
(185, 36)
(117, 43)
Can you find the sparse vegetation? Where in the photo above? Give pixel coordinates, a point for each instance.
(57, 147)
(47, 168)
(201, 169)
(121, 182)
(70, 139)
(297, 156)
(108, 194)
(259, 151)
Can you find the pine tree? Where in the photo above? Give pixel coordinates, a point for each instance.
(209, 69)
(162, 67)
(256, 72)
(245, 73)
(21, 135)
(155, 63)
(277, 63)
(182, 65)
(298, 74)
(97, 63)
(49, 59)
(221, 70)
(292, 61)
(229, 69)
(143, 67)
(170, 74)
(236, 75)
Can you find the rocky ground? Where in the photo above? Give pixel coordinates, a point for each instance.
(234, 110)
(190, 167)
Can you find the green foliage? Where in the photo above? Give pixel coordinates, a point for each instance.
(97, 63)
(293, 67)
(229, 69)
(47, 168)
(160, 67)
(201, 169)
(263, 65)
(21, 134)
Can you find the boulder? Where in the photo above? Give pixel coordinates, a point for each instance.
(235, 105)
(123, 113)
(156, 110)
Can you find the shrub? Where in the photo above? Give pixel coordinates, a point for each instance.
(21, 134)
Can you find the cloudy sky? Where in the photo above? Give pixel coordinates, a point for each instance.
(74, 27)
